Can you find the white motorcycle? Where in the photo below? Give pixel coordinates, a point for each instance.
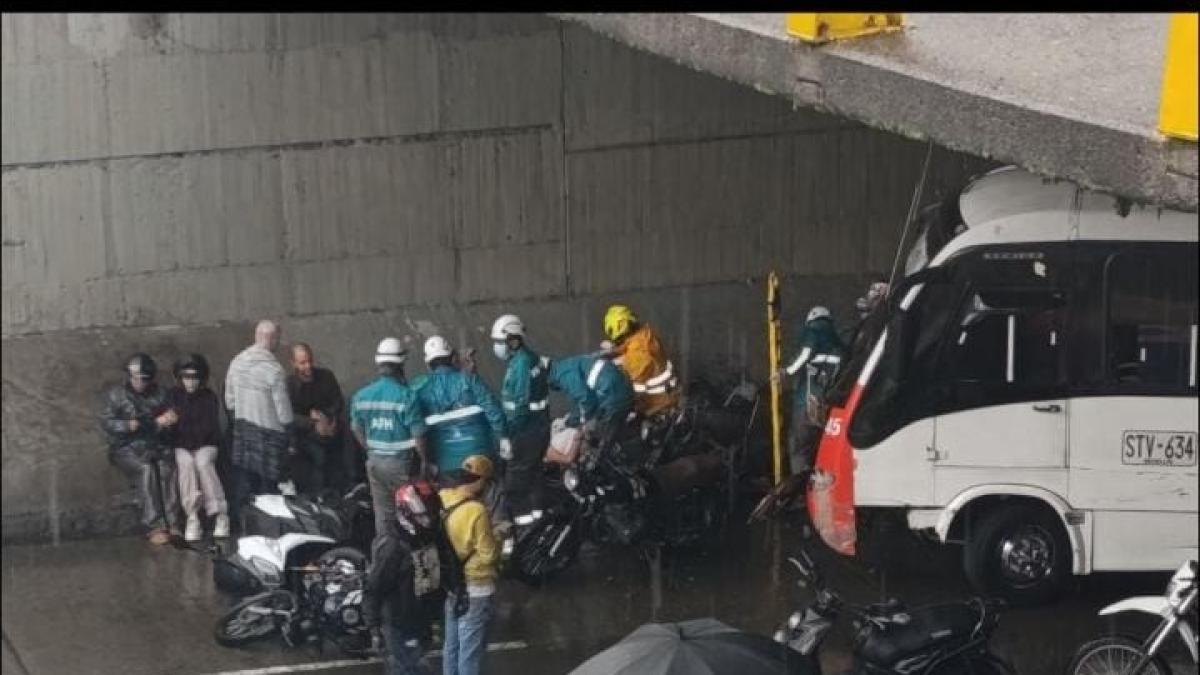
(1123, 655)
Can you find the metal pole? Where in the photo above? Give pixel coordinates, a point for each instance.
(773, 340)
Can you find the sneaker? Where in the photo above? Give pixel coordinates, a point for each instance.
(221, 526)
(194, 529)
(159, 537)
(287, 488)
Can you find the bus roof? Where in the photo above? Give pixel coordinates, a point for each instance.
(1010, 205)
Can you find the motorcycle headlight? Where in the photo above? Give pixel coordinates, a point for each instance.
(794, 620)
(779, 636)
(571, 479)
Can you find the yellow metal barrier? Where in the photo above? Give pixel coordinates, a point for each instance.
(774, 338)
(823, 27)
(1177, 111)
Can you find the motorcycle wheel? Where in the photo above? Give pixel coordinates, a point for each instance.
(1114, 655)
(243, 624)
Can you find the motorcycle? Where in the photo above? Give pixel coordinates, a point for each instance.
(312, 604)
(892, 639)
(1124, 655)
(286, 532)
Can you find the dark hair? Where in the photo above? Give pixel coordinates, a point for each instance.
(441, 361)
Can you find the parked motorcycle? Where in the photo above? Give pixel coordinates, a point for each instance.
(312, 604)
(1125, 655)
(946, 639)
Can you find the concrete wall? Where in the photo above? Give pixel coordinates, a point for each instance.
(169, 179)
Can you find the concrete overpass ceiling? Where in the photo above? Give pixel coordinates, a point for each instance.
(1066, 95)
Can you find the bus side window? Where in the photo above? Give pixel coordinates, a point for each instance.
(1150, 328)
(1007, 347)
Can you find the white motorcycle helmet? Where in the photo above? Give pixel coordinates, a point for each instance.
(817, 312)
(437, 347)
(390, 350)
(508, 325)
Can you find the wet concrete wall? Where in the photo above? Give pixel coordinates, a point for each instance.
(170, 179)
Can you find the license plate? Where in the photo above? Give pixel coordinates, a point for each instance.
(1160, 448)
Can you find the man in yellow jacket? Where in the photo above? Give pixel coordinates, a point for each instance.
(469, 529)
(639, 352)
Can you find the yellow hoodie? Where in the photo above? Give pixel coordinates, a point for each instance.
(470, 531)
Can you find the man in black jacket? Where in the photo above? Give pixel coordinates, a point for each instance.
(137, 422)
(319, 407)
(410, 566)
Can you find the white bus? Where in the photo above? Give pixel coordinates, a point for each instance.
(1031, 392)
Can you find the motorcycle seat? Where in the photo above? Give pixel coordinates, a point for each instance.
(928, 629)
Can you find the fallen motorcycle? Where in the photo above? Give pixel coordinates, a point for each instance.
(315, 603)
(676, 504)
(945, 639)
(347, 519)
(1124, 655)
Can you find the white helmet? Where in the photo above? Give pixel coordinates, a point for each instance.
(818, 312)
(435, 347)
(390, 350)
(509, 324)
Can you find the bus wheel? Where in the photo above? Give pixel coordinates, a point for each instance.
(1020, 553)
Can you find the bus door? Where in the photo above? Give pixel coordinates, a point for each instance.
(999, 390)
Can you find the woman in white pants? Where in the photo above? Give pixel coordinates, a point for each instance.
(197, 435)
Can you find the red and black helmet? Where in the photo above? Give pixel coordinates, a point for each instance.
(418, 507)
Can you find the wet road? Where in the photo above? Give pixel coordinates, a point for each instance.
(120, 606)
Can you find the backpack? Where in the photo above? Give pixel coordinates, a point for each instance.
(454, 578)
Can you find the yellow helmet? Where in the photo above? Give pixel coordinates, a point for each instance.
(617, 321)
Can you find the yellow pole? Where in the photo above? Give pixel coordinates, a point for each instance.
(773, 340)
(1177, 109)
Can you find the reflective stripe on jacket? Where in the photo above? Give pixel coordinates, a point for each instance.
(525, 392)
(389, 416)
(462, 414)
(598, 388)
(644, 360)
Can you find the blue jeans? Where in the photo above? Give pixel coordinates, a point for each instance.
(403, 655)
(466, 636)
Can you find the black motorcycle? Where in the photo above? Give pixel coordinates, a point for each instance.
(316, 603)
(892, 639)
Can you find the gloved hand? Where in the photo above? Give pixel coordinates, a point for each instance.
(506, 450)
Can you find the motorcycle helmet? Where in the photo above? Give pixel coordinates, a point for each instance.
(418, 507)
(192, 364)
(390, 350)
(437, 347)
(140, 365)
(618, 321)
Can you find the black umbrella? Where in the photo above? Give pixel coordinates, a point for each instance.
(696, 647)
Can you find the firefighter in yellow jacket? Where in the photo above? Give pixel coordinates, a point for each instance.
(639, 352)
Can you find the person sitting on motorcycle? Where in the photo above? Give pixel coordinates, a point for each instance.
(462, 414)
(638, 351)
(601, 393)
(404, 585)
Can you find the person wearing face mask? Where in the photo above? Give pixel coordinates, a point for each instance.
(524, 396)
(137, 423)
(196, 437)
